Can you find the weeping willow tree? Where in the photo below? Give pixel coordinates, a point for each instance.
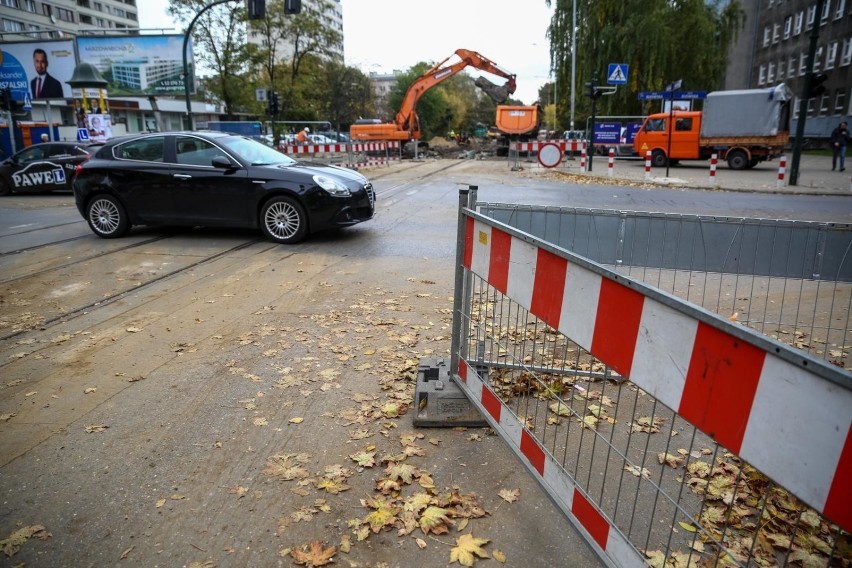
(661, 40)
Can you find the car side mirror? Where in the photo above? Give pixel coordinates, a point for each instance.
(222, 162)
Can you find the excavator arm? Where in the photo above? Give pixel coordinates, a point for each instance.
(406, 118)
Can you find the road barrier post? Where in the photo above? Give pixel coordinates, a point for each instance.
(583, 158)
(647, 165)
(611, 162)
(782, 170)
(713, 161)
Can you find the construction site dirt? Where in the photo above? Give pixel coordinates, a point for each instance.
(204, 398)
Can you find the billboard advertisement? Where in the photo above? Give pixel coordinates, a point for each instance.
(138, 65)
(39, 69)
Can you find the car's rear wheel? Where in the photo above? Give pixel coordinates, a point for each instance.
(107, 217)
(283, 220)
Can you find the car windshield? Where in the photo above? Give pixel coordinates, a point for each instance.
(254, 152)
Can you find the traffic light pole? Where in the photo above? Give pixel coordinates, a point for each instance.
(806, 95)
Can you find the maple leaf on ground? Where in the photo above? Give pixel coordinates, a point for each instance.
(467, 549)
(403, 472)
(364, 459)
(509, 495)
(13, 543)
(435, 519)
(333, 486)
(383, 514)
(313, 554)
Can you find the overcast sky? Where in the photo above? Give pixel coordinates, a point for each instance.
(383, 35)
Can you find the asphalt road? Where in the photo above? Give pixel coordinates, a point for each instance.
(182, 397)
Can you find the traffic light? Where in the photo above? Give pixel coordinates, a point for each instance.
(273, 107)
(816, 87)
(8, 103)
(292, 6)
(592, 91)
(256, 9)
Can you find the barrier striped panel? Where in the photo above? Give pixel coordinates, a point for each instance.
(315, 149)
(579, 509)
(564, 145)
(791, 424)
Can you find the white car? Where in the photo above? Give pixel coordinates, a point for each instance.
(320, 139)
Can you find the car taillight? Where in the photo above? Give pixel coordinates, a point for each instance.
(78, 169)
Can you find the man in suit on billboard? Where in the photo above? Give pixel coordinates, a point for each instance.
(44, 86)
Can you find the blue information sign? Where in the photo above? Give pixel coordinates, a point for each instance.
(607, 133)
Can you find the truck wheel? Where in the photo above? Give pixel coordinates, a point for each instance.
(658, 159)
(737, 160)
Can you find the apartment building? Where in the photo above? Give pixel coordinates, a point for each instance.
(329, 13)
(773, 48)
(56, 19)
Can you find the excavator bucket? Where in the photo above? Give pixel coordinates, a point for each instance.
(496, 93)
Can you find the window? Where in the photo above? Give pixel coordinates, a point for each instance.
(788, 26)
(65, 15)
(826, 10)
(797, 27)
(831, 57)
(811, 107)
(838, 12)
(776, 33)
(761, 78)
(840, 101)
(796, 107)
(29, 6)
(12, 26)
(656, 125)
(811, 16)
(10, 3)
(770, 73)
(791, 67)
(147, 149)
(818, 59)
(823, 104)
(766, 36)
(781, 69)
(683, 124)
(803, 67)
(846, 55)
(195, 151)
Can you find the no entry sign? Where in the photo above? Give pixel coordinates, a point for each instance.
(549, 155)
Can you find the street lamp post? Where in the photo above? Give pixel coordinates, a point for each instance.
(186, 65)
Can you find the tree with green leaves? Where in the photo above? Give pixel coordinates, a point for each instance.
(219, 42)
(661, 41)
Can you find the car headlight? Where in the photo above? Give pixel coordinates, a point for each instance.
(332, 186)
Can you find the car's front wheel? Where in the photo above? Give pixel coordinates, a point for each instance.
(107, 217)
(283, 220)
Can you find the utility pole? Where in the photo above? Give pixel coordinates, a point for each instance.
(593, 92)
(807, 93)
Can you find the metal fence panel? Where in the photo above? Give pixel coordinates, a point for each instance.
(666, 433)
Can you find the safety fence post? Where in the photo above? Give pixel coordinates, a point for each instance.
(647, 165)
(713, 160)
(782, 170)
(583, 157)
(611, 163)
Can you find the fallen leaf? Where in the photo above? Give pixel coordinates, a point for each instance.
(313, 554)
(499, 556)
(421, 544)
(467, 549)
(297, 420)
(13, 543)
(509, 495)
(435, 520)
(96, 428)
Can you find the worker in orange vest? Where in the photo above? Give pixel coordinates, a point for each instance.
(302, 136)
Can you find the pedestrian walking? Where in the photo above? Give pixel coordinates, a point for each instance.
(839, 140)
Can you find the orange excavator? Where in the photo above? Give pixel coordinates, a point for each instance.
(406, 126)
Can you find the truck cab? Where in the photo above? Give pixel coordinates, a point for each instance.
(672, 137)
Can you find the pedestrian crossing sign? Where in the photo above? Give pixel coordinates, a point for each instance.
(617, 74)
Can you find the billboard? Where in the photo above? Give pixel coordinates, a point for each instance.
(138, 65)
(38, 68)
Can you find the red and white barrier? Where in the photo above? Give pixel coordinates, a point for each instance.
(782, 171)
(564, 145)
(647, 165)
(728, 381)
(714, 159)
(611, 163)
(583, 158)
(358, 147)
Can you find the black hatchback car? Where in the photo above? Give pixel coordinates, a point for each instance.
(215, 179)
(43, 167)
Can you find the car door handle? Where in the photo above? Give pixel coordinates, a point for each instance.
(182, 176)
